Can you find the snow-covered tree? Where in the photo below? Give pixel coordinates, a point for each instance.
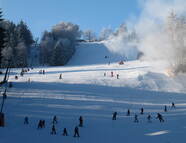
(58, 46)
(2, 36)
(18, 41)
(105, 34)
(66, 30)
(11, 43)
(21, 55)
(176, 32)
(24, 33)
(46, 47)
(122, 29)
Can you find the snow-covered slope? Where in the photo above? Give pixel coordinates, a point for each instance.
(94, 53)
(84, 90)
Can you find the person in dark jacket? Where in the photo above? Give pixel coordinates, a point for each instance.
(65, 132)
(60, 76)
(117, 76)
(26, 120)
(142, 111)
(80, 121)
(114, 116)
(104, 74)
(149, 118)
(173, 105)
(160, 117)
(54, 120)
(76, 132)
(40, 125)
(53, 132)
(136, 118)
(128, 112)
(112, 74)
(43, 123)
(165, 108)
(16, 77)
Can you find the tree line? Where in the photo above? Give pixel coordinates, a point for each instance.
(56, 47)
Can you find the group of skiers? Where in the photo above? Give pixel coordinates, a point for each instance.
(149, 117)
(23, 71)
(42, 72)
(41, 124)
(112, 74)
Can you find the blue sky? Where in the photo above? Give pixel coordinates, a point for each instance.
(88, 14)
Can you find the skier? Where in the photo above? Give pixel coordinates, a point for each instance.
(114, 116)
(149, 118)
(76, 132)
(43, 123)
(26, 120)
(16, 77)
(142, 111)
(136, 118)
(60, 76)
(53, 130)
(117, 76)
(43, 71)
(54, 120)
(39, 124)
(4, 95)
(128, 112)
(160, 117)
(65, 132)
(104, 74)
(165, 108)
(80, 121)
(173, 105)
(112, 74)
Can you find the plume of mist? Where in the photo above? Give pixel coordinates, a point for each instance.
(123, 42)
(154, 32)
(155, 41)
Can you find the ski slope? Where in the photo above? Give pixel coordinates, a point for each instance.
(84, 90)
(93, 54)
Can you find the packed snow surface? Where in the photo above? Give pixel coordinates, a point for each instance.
(88, 89)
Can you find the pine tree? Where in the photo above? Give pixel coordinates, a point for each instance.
(9, 51)
(2, 37)
(24, 33)
(57, 55)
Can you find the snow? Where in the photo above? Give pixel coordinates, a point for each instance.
(84, 90)
(94, 53)
(157, 133)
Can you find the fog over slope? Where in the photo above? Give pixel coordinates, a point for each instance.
(161, 32)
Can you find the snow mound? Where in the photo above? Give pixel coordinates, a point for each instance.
(159, 82)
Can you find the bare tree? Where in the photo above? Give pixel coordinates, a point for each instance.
(89, 35)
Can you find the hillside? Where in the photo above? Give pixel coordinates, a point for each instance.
(84, 90)
(94, 53)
